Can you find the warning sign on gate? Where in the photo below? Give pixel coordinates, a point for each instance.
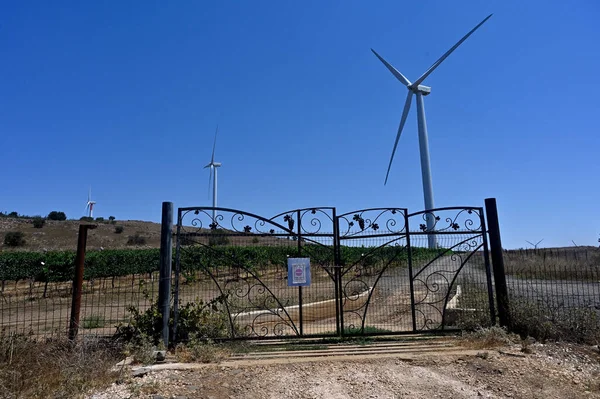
(298, 272)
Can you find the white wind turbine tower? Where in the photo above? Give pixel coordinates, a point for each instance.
(420, 91)
(213, 171)
(90, 204)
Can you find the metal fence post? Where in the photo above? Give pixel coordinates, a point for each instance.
(497, 262)
(166, 254)
(78, 280)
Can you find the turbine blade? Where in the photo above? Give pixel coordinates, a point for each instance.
(214, 145)
(443, 57)
(402, 122)
(393, 70)
(530, 243)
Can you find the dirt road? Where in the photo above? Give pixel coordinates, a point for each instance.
(551, 371)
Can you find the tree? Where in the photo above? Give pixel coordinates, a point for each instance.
(111, 218)
(38, 222)
(13, 214)
(56, 215)
(136, 239)
(14, 239)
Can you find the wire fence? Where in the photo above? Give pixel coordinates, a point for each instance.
(555, 293)
(43, 309)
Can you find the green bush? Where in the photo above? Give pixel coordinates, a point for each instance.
(196, 319)
(119, 229)
(136, 239)
(86, 219)
(100, 219)
(56, 215)
(38, 222)
(13, 215)
(14, 239)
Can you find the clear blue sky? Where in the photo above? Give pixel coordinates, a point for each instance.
(125, 96)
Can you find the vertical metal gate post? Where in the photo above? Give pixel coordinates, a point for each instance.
(299, 238)
(488, 269)
(166, 256)
(410, 272)
(177, 270)
(498, 262)
(337, 275)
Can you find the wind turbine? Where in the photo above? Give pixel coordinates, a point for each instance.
(90, 204)
(536, 244)
(420, 91)
(213, 170)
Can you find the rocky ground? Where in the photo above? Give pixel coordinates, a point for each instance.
(545, 371)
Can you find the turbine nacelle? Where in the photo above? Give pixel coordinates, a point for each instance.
(424, 90)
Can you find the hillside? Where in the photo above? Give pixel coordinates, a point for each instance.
(62, 235)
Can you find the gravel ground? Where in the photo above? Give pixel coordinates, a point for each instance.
(551, 371)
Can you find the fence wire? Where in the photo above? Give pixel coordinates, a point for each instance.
(43, 309)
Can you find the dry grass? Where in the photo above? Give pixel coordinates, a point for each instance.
(488, 338)
(62, 235)
(54, 368)
(581, 263)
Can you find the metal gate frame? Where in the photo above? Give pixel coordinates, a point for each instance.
(305, 227)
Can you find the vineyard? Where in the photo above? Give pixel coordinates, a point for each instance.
(59, 266)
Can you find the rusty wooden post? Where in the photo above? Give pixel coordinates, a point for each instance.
(78, 280)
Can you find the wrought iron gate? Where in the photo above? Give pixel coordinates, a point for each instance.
(370, 272)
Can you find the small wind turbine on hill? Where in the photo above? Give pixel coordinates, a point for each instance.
(89, 207)
(213, 171)
(420, 91)
(536, 244)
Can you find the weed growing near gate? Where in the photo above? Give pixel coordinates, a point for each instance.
(196, 320)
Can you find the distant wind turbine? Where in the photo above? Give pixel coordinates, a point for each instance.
(213, 170)
(420, 90)
(89, 207)
(536, 244)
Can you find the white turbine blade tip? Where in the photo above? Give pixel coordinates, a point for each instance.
(393, 70)
(447, 53)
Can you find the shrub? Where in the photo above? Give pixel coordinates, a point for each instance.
(119, 229)
(38, 222)
(197, 320)
(111, 219)
(14, 239)
(56, 215)
(100, 219)
(136, 239)
(13, 215)
(86, 219)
